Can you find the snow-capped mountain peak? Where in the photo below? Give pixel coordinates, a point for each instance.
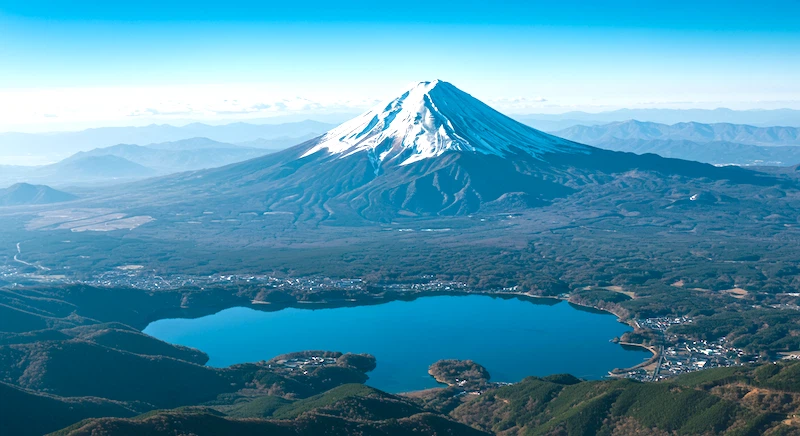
(433, 118)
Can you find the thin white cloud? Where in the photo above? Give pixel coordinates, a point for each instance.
(51, 109)
(148, 112)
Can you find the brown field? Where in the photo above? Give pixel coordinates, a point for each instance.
(736, 292)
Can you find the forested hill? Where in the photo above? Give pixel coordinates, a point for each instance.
(734, 401)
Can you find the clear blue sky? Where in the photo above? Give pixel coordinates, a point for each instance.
(528, 56)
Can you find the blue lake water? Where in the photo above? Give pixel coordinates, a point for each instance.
(512, 338)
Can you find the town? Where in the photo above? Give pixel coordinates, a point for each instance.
(679, 355)
(675, 355)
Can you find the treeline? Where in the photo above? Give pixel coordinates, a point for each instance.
(699, 403)
(756, 330)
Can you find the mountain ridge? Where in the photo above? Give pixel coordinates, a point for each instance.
(178, 156)
(358, 170)
(759, 117)
(691, 131)
(22, 194)
(129, 162)
(43, 148)
(433, 118)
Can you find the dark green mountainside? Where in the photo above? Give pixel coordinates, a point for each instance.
(736, 401)
(26, 412)
(66, 361)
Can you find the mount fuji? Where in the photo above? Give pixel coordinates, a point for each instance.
(434, 150)
(434, 118)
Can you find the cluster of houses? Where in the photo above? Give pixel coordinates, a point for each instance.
(689, 356)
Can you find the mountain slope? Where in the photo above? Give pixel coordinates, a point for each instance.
(77, 368)
(434, 118)
(351, 409)
(537, 406)
(757, 117)
(435, 150)
(745, 400)
(196, 143)
(81, 168)
(25, 194)
(209, 423)
(46, 147)
(42, 413)
(177, 156)
(691, 131)
(715, 153)
(128, 162)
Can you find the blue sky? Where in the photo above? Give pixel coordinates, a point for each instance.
(80, 63)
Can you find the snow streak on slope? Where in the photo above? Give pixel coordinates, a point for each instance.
(433, 118)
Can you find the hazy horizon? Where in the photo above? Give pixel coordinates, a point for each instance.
(86, 65)
(339, 117)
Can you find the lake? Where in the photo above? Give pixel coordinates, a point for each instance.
(512, 337)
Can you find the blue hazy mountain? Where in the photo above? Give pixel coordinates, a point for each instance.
(49, 147)
(433, 150)
(176, 156)
(766, 118)
(128, 162)
(719, 144)
(25, 194)
(691, 131)
(88, 169)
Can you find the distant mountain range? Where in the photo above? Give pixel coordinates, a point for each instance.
(692, 131)
(434, 150)
(127, 162)
(44, 148)
(716, 152)
(26, 148)
(22, 194)
(172, 157)
(552, 122)
(720, 143)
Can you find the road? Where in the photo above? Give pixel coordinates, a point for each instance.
(17, 259)
(658, 365)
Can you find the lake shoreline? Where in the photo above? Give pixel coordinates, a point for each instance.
(655, 352)
(412, 296)
(461, 312)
